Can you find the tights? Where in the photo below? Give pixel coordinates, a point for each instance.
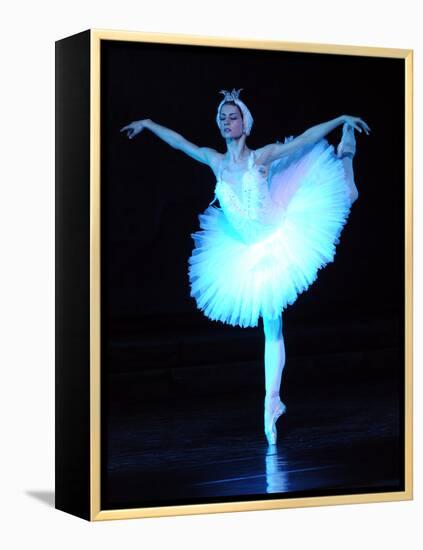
(349, 176)
(274, 362)
(274, 355)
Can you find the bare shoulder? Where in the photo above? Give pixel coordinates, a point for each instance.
(275, 151)
(206, 155)
(213, 158)
(262, 155)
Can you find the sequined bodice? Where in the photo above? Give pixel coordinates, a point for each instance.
(249, 210)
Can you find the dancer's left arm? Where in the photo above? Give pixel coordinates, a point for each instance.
(274, 151)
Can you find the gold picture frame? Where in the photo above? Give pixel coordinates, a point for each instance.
(78, 271)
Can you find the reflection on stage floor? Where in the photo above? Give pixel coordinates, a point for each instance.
(334, 439)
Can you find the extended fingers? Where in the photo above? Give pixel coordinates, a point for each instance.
(129, 129)
(355, 125)
(364, 125)
(359, 124)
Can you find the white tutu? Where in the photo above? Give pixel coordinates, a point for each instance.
(236, 276)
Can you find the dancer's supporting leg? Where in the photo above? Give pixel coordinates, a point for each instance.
(274, 362)
(346, 152)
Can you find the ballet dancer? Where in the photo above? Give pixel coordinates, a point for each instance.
(282, 209)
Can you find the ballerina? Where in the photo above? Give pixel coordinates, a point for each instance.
(282, 209)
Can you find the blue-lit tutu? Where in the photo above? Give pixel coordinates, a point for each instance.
(236, 276)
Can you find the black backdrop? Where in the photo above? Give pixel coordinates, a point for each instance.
(152, 194)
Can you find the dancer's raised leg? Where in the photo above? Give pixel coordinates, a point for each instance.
(274, 362)
(346, 151)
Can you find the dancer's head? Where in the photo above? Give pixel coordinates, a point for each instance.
(233, 113)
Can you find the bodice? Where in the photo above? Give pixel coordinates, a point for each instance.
(248, 209)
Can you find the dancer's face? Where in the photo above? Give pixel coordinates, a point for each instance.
(231, 123)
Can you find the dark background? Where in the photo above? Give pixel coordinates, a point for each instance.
(152, 193)
(156, 344)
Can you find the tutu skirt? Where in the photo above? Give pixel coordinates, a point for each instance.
(236, 282)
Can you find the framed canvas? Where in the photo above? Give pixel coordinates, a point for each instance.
(233, 274)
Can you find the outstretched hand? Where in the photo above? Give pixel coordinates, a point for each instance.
(134, 128)
(356, 123)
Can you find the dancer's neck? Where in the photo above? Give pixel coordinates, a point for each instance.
(237, 150)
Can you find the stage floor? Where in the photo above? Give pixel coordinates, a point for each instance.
(334, 439)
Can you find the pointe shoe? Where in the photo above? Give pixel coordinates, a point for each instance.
(271, 415)
(347, 144)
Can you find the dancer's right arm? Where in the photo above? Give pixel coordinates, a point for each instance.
(201, 154)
